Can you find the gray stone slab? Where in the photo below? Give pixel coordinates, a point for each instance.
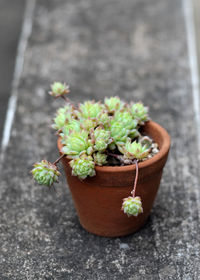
(10, 32)
(137, 50)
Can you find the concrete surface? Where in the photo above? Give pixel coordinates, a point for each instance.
(11, 16)
(137, 50)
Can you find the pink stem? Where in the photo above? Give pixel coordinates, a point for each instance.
(65, 98)
(58, 159)
(136, 178)
(113, 155)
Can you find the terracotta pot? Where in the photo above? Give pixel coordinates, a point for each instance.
(98, 200)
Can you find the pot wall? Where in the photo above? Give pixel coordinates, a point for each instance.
(98, 200)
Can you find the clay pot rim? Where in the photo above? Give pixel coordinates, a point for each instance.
(162, 152)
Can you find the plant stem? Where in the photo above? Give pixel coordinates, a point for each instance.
(114, 155)
(65, 98)
(58, 159)
(136, 178)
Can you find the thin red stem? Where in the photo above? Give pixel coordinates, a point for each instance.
(136, 178)
(65, 98)
(113, 155)
(58, 159)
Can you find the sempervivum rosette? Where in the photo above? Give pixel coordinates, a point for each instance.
(90, 109)
(77, 143)
(113, 103)
(140, 113)
(45, 173)
(134, 150)
(132, 206)
(59, 89)
(83, 166)
(101, 138)
(100, 158)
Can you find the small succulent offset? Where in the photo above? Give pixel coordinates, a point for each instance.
(98, 133)
(58, 89)
(83, 166)
(132, 206)
(45, 173)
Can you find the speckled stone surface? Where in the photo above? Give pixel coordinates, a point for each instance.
(132, 48)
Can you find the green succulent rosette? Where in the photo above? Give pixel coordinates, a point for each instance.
(118, 132)
(89, 123)
(140, 112)
(70, 126)
(113, 103)
(77, 143)
(100, 158)
(90, 109)
(130, 124)
(83, 167)
(59, 89)
(146, 141)
(45, 173)
(100, 138)
(104, 119)
(62, 115)
(132, 206)
(134, 150)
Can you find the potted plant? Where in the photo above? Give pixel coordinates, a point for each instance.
(113, 156)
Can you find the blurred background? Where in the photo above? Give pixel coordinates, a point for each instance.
(11, 17)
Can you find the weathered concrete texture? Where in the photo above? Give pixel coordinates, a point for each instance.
(10, 32)
(137, 50)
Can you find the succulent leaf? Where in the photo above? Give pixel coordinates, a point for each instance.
(113, 103)
(132, 206)
(126, 119)
(146, 141)
(102, 138)
(112, 146)
(140, 112)
(45, 173)
(90, 109)
(70, 125)
(83, 166)
(58, 89)
(62, 115)
(104, 118)
(134, 150)
(119, 133)
(89, 123)
(76, 143)
(100, 158)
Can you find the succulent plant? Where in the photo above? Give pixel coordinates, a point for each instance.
(70, 126)
(100, 158)
(63, 115)
(146, 141)
(90, 109)
(77, 143)
(89, 123)
(93, 133)
(126, 119)
(83, 166)
(118, 132)
(113, 103)
(134, 150)
(101, 138)
(45, 173)
(104, 118)
(58, 89)
(140, 112)
(132, 206)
